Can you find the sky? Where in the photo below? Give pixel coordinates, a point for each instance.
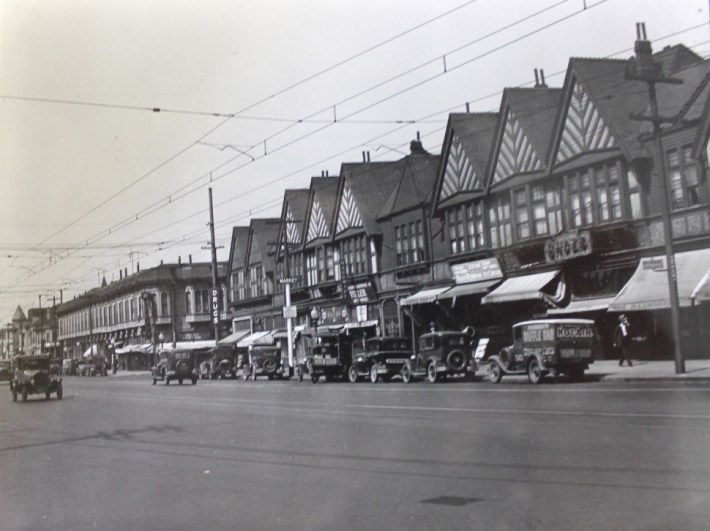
(116, 117)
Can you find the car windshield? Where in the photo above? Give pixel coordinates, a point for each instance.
(181, 355)
(36, 364)
(395, 344)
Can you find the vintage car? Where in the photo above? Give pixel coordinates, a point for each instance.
(383, 358)
(175, 365)
(93, 366)
(203, 360)
(222, 363)
(264, 360)
(442, 354)
(5, 374)
(330, 357)
(547, 346)
(32, 375)
(70, 366)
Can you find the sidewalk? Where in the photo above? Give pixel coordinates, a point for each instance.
(609, 371)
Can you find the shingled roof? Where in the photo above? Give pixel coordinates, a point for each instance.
(263, 242)
(414, 188)
(238, 248)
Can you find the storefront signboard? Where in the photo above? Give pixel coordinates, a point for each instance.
(567, 246)
(477, 271)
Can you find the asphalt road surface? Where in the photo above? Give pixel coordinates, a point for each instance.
(119, 453)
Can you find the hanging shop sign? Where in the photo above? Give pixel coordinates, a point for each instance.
(361, 293)
(477, 271)
(215, 306)
(567, 246)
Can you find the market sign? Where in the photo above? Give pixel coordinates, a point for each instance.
(567, 246)
(477, 271)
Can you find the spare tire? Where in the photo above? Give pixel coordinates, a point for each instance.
(456, 360)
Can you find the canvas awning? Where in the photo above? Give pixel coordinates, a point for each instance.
(583, 305)
(295, 331)
(266, 339)
(647, 289)
(233, 338)
(472, 288)
(423, 296)
(527, 287)
(251, 338)
(93, 350)
(193, 345)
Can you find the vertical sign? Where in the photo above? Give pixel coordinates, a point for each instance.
(215, 306)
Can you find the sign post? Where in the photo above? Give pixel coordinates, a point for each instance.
(289, 314)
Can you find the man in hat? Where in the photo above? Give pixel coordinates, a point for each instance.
(622, 337)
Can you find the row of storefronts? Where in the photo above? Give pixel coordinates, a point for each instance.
(551, 206)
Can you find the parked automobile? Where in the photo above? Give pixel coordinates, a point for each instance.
(175, 365)
(93, 366)
(330, 357)
(264, 360)
(548, 346)
(222, 363)
(442, 354)
(32, 375)
(69, 366)
(383, 359)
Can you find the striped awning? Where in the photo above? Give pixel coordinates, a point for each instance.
(423, 297)
(252, 338)
(647, 289)
(233, 339)
(528, 287)
(599, 304)
(472, 288)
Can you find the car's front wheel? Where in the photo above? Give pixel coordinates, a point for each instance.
(315, 377)
(352, 374)
(535, 373)
(495, 373)
(47, 394)
(14, 395)
(24, 393)
(406, 374)
(431, 372)
(299, 373)
(374, 377)
(59, 392)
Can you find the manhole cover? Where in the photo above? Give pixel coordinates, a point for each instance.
(452, 501)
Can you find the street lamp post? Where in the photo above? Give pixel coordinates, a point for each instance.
(161, 338)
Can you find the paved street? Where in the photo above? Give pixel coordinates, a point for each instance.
(120, 453)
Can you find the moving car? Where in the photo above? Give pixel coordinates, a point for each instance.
(383, 359)
(222, 363)
(32, 375)
(547, 346)
(442, 354)
(175, 365)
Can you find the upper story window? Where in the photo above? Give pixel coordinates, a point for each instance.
(188, 302)
(409, 243)
(608, 193)
(634, 195)
(164, 310)
(320, 264)
(522, 214)
(501, 231)
(466, 228)
(256, 281)
(580, 200)
(683, 178)
(353, 254)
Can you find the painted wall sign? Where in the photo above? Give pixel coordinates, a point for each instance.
(477, 271)
(567, 246)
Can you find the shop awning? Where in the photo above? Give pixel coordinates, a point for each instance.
(266, 339)
(583, 305)
(423, 297)
(528, 287)
(233, 338)
(295, 331)
(472, 288)
(194, 345)
(93, 350)
(251, 338)
(647, 289)
(361, 324)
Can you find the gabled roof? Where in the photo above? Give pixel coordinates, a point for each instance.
(293, 218)
(415, 186)
(684, 101)
(524, 128)
(263, 242)
(19, 315)
(675, 58)
(609, 99)
(238, 248)
(362, 192)
(321, 205)
(466, 155)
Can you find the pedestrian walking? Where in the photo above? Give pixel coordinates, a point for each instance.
(622, 338)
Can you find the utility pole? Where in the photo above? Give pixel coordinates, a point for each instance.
(215, 286)
(646, 69)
